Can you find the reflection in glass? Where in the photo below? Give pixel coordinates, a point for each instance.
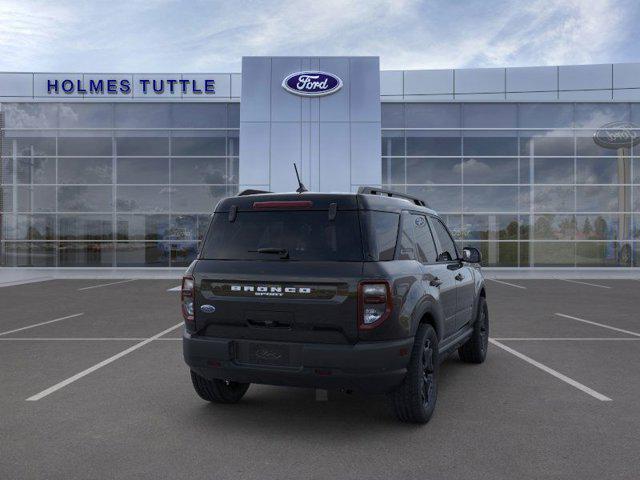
(441, 199)
(490, 227)
(140, 254)
(392, 143)
(23, 254)
(603, 170)
(490, 199)
(490, 144)
(37, 198)
(393, 115)
(89, 115)
(490, 170)
(434, 115)
(434, 170)
(603, 254)
(213, 144)
(94, 146)
(199, 170)
(142, 227)
(36, 227)
(30, 115)
(142, 115)
(554, 199)
(85, 199)
(553, 170)
(393, 170)
(546, 144)
(142, 198)
(183, 253)
(553, 254)
(29, 146)
(497, 254)
(147, 146)
(196, 199)
(81, 254)
(85, 170)
(132, 170)
(603, 198)
(85, 227)
(433, 143)
(545, 115)
(199, 115)
(554, 227)
(602, 226)
(35, 170)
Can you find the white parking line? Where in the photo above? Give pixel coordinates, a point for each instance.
(551, 371)
(175, 289)
(41, 323)
(97, 366)
(507, 283)
(550, 339)
(629, 332)
(107, 284)
(584, 283)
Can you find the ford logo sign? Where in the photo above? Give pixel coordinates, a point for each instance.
(617, 135)
(207, 308)
(312, 83)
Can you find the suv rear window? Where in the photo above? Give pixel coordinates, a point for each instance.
(305, 235)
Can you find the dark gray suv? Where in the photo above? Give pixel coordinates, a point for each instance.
(364, 292)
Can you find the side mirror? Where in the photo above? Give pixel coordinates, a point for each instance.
(471, 255)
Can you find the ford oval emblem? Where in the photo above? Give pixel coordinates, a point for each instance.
(312, 83)
(207, 308)
(617, 135)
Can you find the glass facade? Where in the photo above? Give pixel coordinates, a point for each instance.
(524, 182)
(118, 184)
(112, 184)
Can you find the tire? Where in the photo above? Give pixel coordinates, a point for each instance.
(415, 400)
(475, 349)
(218, 391)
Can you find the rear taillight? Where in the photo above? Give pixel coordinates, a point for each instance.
(374, 304)
(186, 298)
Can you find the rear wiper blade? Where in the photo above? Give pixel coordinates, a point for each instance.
(283, 252)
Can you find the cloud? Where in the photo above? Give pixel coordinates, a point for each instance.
(173, 36)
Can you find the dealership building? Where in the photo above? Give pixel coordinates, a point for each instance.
(535, 166)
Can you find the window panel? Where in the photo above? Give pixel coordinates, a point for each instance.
(636, 170)
(434, 170)
(554, 199)
(490, 170)
(199, 115)
(195, 199)
(6, 170)
(545, 115)
(205, 146)
(497, 254)
(36, 199)
(393, 170)
(85, 170)
(598, 114)
(143, 146)
(392, 115)
(183, 227)
(6, 199)
(602, 226)
(433, 143)
(142, 227)
(133, 170)
(36, 170)
(490, 115)
(183, 253)
(140, 198)
(585, 145)
(392, 143)
(90, 115)
(490, 144)
(603, 254)
(553, 254)
(432, 115)
(142, 254)
(233, 115)
(490, 199)
(602, 199)
(29, 146)
(442, 199)
(85, 227)
(30, 115)
(23, 254)
(142, 115)
(603, 170)
(554, 227)
(490, 227)
(200, 170)
(546, 144)
(85, 254)
(233, 143)
(553, 170)
(35, 227)
(90, 145)
(85, 199)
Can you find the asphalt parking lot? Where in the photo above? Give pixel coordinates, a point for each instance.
(93, 385)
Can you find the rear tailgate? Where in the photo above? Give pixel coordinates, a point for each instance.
(276, 300)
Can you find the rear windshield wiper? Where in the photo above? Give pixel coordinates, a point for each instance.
(283, 252)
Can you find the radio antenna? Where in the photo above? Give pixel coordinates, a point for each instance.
(301, 188)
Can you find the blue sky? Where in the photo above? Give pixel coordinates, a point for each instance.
(212, 36)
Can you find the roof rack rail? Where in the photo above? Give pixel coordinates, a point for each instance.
(251, 191)
(391, 193)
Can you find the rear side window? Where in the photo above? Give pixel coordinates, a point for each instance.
(447, 251)
(381, 232)
(424, 241)
(305, 235)
(407, 249)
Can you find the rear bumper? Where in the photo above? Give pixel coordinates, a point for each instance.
(372, 367)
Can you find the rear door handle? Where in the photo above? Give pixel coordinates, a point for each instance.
(459, 277)
(435, 282)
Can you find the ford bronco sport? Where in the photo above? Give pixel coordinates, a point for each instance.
(364, 292)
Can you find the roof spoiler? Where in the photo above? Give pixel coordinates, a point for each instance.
(250, 191)
(391, 193)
